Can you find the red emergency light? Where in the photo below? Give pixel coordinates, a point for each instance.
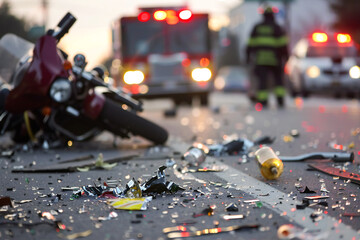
(343, 38)
(319, 37)
(144, 16)
(170, 16)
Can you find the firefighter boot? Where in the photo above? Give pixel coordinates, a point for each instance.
(280, 102)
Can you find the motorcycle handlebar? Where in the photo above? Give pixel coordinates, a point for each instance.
(118, 95)
(64, 25)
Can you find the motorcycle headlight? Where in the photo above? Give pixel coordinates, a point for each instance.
(60, 90)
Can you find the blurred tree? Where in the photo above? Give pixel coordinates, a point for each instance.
(10, 23)
(348, 17)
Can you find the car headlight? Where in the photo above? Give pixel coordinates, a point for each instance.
(201, 74)
(354, 72)
(313, 72)
(134, 77)
(60, 90)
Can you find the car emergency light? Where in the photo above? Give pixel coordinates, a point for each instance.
(343, 38)
(144, 16)
(160, 15)
(319, 37)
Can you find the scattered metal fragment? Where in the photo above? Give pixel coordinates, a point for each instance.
(208, 231)
(205, 169)
(307, 190)
(174, 229)
(325, 168)
(23, 201)
(251, 201)
(231, 217)
(196, 154)
(8, 153)
(232, 208)
(317, 197)
(335, 156)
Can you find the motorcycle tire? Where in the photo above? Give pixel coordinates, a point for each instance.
(113, 117)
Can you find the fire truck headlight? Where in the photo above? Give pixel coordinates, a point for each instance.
(201, 74)
(134, 77)
(313, 72)
(354, 72)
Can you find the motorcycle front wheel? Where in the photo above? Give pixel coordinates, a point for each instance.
(116, 119)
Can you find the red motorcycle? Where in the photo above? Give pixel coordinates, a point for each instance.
(62, 99)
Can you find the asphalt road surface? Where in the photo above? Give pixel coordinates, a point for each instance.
(323, 124)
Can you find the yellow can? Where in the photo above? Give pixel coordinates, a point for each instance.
(271, 167)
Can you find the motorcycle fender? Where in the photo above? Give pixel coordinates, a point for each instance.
(93, 105)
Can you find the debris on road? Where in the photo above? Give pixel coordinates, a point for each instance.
(325, 168)
(72, 165)
(271, 167)
(132, 204)
(335, 156)
(196, 155)
(185, 234)
(76, 235)
(240, 146)
(99, 164)
(6, 201)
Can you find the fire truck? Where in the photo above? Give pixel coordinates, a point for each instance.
(165, 52)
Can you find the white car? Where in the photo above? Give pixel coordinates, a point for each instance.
(324, 63)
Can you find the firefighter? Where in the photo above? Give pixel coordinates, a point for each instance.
(267, 50)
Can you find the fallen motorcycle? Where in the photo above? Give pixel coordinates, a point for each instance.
(48, 93)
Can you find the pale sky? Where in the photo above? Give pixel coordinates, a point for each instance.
(91, 34)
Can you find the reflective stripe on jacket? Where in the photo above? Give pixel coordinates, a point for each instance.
(268, 43)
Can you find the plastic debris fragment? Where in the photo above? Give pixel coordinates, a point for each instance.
(158, 184)
(99, 163)
(130, 203)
